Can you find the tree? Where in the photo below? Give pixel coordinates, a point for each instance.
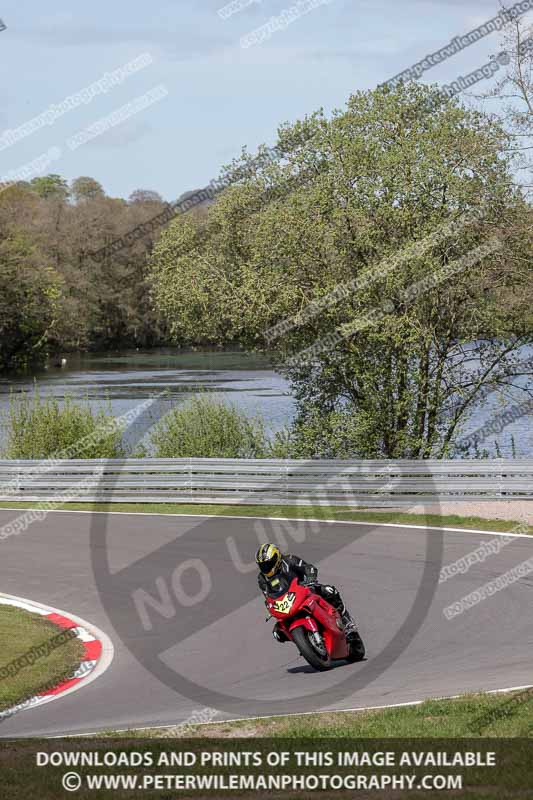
(145, 196)
(85, 188)
(30, 294)
(413, 214)
(514, 94)
(50, 186)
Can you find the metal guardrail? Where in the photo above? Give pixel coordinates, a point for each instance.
(209, 480)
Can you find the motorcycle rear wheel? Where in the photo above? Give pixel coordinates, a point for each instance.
(302, 640)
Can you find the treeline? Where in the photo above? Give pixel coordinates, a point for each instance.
(54, 296)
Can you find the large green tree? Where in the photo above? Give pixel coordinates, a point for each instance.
(406, 201)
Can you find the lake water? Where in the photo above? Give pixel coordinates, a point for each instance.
(128, 378)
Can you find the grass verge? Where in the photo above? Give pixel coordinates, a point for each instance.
(469, 717)
(291, 512)
(507, 714)
(29, 638)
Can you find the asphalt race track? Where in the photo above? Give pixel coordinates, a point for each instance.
(216, 636)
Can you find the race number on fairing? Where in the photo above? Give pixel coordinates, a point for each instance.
(285, 605)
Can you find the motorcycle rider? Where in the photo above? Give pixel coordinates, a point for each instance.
(273, 564)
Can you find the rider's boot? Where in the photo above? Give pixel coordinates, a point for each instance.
(333, 596)
(349, 623)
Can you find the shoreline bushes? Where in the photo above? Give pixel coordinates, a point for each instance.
(204, 427)
(41, 427)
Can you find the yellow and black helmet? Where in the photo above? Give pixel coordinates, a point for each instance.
(268, 559)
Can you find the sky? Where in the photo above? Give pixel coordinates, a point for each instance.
(208, 95)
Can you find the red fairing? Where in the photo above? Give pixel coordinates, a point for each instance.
(302, 607)
(306, 622)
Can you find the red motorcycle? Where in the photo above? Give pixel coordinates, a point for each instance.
(313, 624)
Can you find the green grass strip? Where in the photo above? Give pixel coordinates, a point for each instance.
(469, 716)
(36, 655)
(291, 512)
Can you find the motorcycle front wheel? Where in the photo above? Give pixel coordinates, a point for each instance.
(316, 656)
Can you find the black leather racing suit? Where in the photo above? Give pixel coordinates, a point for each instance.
(294, 567)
